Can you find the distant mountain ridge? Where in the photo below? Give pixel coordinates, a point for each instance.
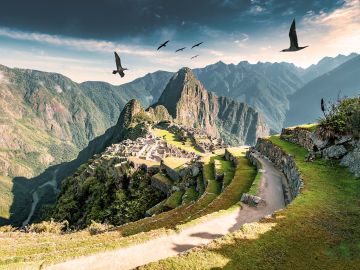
(343, 81)
(325, 65)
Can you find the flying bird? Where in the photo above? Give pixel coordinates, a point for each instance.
(181, 49)
(294, 46)
(197, 45)
(163, 45)
(119, 68)
(194, 56)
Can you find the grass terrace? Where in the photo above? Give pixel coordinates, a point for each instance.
(174, 139)
(174, 163)
(318, 230)
(19, 249)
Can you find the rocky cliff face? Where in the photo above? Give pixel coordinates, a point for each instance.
(190, 104)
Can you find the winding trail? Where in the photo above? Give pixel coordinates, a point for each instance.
(160, 248)
(35, 196)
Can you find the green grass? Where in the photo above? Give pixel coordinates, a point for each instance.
(320, 229)
(163, 178)
(16, 249)
(174, 200)
(309, 127)
(173, 139)
(190, 195)
(255, 187)
(173, 162)
(243, 177)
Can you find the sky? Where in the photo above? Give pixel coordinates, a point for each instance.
(78, 38)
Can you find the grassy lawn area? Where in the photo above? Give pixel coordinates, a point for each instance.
(171, 138)
(173, 162)
(320, 229)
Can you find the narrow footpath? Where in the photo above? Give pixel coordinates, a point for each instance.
(160, 248)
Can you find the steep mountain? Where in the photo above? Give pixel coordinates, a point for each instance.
(264, 86)
(340, 82)
(48, 119)
(190, 104)
(325, 65)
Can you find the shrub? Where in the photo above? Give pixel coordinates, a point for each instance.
(48, 227)
(96, 228)
(343, 117)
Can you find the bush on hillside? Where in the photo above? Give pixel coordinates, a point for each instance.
(96, 228)
(343, 117)
(49, 227)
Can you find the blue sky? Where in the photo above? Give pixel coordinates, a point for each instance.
(77, 38)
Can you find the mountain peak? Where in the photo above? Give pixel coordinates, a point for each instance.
(179, 85)
(190, 104)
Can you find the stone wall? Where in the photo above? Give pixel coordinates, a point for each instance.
(344, 148)
(299, 136)
(285, 163)
(230, 157)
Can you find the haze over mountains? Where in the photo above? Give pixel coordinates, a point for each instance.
(343, 81)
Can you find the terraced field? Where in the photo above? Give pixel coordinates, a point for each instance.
(173, 139)
(20, 248)
(318, 230)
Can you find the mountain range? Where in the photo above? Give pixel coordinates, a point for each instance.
(343, 81)
(47, 119)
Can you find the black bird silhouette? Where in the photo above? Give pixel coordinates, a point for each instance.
(294, 46)
(323, 106)
(163, 45)
(181, 49)
(194, 56)
(197, 45)
(119, 68)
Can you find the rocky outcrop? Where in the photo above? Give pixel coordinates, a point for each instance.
(285, 163)
(352, 159)
(252, 200)
(188, 102)
(342, 147)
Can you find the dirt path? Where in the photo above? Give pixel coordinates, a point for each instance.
(35, 196)
(200, 234)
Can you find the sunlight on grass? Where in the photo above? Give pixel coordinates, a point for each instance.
(172, 139)
(318, 230)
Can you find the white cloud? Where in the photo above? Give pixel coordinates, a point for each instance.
(256, 9)
(91, 45)
(335, 32)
